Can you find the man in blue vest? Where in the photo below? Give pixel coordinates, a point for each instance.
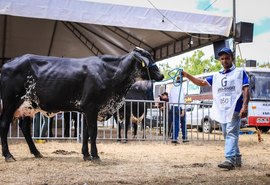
(230, 87)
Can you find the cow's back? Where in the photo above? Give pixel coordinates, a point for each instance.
(65, 84)
(52, 83)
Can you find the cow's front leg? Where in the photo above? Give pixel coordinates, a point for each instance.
(135, 127)
(25, 125)
(74, 117)
(67, 124)
(85, 149)
(91, 119)
(143, 128)
(126, 125)
(93, 137)
(119, 128)
(119, 123)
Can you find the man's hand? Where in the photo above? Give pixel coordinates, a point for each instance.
(243, 112)
(184, 74)
(182, 113)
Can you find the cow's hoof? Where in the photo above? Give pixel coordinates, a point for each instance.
(10, 158)
(95, 159)
(87, 158)
(38, 155)
(134, 137)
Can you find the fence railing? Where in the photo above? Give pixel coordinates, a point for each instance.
(152, 123)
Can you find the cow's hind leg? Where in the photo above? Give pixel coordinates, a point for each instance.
(6, 119)
(25, 125)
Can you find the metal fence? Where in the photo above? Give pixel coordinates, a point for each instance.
(153, 125)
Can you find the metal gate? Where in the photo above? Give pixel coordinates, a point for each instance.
(153, 125)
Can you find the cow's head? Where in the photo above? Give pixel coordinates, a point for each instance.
(147, 66)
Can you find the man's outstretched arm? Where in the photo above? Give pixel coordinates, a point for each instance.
(197, 81)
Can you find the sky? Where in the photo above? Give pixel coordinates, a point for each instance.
(256, 12)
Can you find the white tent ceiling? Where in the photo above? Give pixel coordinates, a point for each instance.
(79, 28)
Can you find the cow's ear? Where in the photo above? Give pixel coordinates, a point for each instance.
(143, 60)
(143, 63)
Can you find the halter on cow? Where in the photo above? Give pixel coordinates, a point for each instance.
(94, 86)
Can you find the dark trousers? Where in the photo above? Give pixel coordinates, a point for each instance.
(176, 119)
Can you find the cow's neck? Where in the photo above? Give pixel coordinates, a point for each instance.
(126, 75)
(122, 80)
(126, 71)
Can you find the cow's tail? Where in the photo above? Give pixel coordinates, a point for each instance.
(1, 103)
(1, 107)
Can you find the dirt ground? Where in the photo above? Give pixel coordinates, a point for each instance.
(139, 162)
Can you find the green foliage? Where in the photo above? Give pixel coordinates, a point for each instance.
(265, 65)
(197, 65)
(239, 62)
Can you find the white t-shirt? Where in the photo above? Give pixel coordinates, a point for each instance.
(175, 98)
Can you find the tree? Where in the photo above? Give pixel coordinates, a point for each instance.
(165, 69)
(239, 62)
(197, 65)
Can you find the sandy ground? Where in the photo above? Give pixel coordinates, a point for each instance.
(137, 162)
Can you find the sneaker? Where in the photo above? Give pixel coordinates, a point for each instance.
(238, 163)
(185, 141)
(227, 165)
(175, 142)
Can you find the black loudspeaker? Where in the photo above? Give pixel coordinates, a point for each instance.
(219, 45)
(244, 32)
(251, 63)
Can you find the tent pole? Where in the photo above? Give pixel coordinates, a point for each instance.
(234, 31)
(4, 40)
(52, 37)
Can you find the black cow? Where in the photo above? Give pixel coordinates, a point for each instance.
(94, 86)
(140, 90)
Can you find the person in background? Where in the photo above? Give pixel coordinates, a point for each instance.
(230, 88)
(177, 114)
(162, 107)
(163, 97)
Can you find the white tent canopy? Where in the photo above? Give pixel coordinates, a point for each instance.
(77, 28)
(118, 15)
